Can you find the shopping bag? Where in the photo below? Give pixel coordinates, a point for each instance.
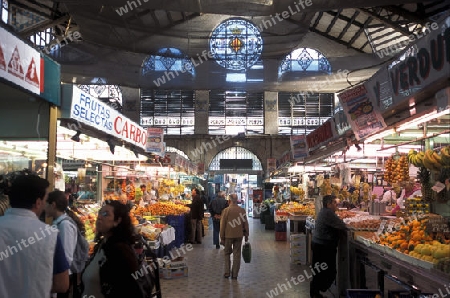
(247, 252)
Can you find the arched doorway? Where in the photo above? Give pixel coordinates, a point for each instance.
(236, 170)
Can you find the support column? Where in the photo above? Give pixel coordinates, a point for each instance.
(271, 112)
(51, 154)
(201, 112)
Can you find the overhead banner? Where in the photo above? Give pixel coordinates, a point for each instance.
(299, 147)
(322, 134)
(20, 63)
(155, 141)
(362, 112)
(97, 114)
(431, 64)
(417, 67)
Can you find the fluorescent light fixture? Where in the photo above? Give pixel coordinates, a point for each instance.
(422, 119)
(255, 80)
(380, 135)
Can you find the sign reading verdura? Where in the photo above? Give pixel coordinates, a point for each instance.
(93, 112)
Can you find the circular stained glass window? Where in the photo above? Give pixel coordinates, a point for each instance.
(236, 44)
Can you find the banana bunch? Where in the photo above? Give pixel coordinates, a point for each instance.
(298, 191)
(445, 156)
(432, 160)
(416, 158)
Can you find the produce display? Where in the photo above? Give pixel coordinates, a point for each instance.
(363, 223)
(396, 170)
(163, 208)
(345, 214)
(169, 187)
(430, 159)
(416, 205)
(298, 208)
(410, 237)
(297, 191)
(88, 215)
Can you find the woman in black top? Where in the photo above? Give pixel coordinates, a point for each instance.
(110, 270)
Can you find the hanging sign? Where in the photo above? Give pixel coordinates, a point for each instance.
(155, 140)
(299, 147)
(362, 113)
(93, 112)
(323, 133)
(409, 75)
(20, 63)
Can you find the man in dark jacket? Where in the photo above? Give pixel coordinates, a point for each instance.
(196, 217)
(324, 246)
(216, 207)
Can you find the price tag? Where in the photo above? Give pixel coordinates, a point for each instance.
(381, 228)
(390, 227)
(438, 225)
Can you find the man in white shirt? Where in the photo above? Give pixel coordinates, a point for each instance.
(32, 260)
(56, 205)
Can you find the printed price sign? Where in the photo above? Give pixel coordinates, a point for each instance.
(438, 225)
(381, 228)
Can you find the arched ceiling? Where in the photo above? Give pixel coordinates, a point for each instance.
(114, 43)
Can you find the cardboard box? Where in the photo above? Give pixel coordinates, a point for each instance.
(169, 273)
(180, 263)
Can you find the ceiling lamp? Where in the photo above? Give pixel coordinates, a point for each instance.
(76, 137)
(111, 145)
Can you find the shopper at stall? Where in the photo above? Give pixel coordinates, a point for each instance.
(109, 271)
(216, 207)
(36, 264)
(56, 206)
(146, 197)
(233, 227)
(196, 217)
(324, 245)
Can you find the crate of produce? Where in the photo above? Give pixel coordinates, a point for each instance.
(361, 293)
(280, 236)
(280, 226)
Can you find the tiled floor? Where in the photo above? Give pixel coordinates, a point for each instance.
(270, 270)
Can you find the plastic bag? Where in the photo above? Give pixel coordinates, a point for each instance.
(247, 252)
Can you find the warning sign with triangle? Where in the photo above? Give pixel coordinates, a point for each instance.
(14, 66)
(2, 59)
(31, 76)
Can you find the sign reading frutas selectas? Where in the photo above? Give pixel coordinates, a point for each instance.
(362, 113)
(20, 63)
(91, 111)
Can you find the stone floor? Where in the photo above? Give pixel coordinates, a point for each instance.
(266, 276)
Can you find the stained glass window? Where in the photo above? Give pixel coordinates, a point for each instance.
(167, 59)
(305, 60)
(236, 44)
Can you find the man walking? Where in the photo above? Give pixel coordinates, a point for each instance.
(216, 208)
(233, 227)
(324, 245)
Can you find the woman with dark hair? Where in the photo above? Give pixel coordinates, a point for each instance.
(110, 270)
